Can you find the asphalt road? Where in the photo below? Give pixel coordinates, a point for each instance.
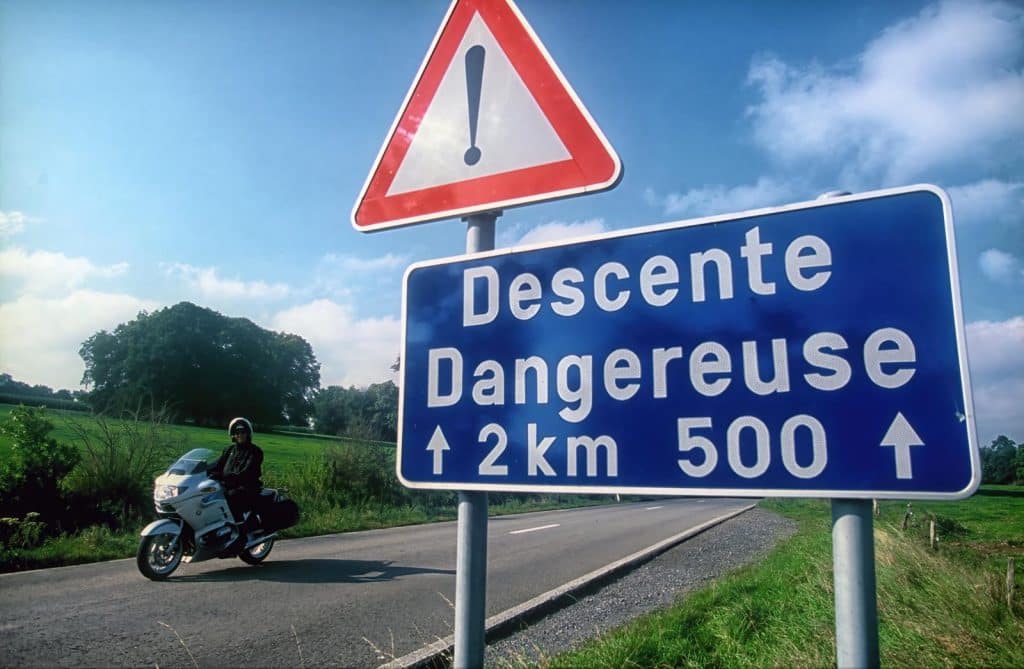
(354, 600)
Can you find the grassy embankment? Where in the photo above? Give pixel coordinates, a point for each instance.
(340, 485)
(937, 608)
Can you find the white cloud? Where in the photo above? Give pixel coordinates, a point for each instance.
(206, 281)
(40, 336)
(350, 263)
(1002, 267)
(996, 353)
(943, 88)
(42, 272)
(712, 200)
(340, 277)
(986, 202)
(551, 232)
(351, 351)
(14, 222)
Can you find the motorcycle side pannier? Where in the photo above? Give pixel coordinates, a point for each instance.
(280, 515)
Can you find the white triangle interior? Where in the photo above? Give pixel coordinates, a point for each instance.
(512, 131)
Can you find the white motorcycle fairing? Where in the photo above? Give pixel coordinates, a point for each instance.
(163, 526)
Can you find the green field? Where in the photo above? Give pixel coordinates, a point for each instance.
(280, 450)
(937, 608)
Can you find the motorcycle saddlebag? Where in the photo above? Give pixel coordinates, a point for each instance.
(280, 515)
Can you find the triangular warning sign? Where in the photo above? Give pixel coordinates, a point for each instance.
(489, 122)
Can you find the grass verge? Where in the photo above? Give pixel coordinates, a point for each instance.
(940, 608)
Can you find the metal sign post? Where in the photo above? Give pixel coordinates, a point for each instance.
(853, 568)
(471, 548)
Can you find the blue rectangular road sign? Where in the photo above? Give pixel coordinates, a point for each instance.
(812, 350)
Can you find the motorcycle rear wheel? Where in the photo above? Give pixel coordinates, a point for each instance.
(257, 553)
(159, 555)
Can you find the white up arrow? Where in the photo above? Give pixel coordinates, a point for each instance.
(901, 436)
(438, 444)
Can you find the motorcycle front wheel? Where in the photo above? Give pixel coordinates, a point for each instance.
(159, 555)
(257, 553)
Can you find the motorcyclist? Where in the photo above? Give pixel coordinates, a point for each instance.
(239, 469)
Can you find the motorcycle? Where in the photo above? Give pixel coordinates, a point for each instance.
(196, 523)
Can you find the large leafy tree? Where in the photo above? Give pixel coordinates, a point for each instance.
(205, 366)
(368, 413)
(1001, 461)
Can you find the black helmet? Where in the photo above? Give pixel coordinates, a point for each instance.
(238, 425)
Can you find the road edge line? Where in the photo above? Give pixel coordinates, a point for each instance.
(498, 624)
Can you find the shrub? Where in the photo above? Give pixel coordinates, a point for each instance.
(366, 474)
(31, 477)
(24, 532)
(113, 481)
(348, 476)
(950, 527)
(355, 476)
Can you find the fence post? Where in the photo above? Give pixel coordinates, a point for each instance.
(931, 533)
(1009, 584)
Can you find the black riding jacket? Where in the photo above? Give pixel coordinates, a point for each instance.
(240, 466)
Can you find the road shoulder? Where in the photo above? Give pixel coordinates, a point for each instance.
(654, 585)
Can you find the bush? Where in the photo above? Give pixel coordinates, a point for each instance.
(945, 527)
(113, 482)
(32, 477)
(348, 476)
(24, 532)
(356, 476)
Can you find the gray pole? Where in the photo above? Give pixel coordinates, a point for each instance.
(853, 567)
(853, 570)
(471, 549)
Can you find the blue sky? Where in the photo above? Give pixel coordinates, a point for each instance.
(212, 151)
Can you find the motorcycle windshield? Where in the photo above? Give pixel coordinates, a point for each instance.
(193, 462)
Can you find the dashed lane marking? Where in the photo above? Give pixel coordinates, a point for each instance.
(535, 529)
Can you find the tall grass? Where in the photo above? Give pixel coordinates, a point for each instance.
(935, 609)
(112, 483)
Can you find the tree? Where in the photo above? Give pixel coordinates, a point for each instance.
(205, 366)
(385, 409)
(371, 413)
(1000, 461)
(1020, 465)
(331, 410)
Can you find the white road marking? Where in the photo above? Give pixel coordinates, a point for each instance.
(652, 508)
(535, 529)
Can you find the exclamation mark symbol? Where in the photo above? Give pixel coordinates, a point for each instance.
(474, 81)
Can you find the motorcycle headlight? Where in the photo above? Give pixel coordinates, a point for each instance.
(162, 492)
